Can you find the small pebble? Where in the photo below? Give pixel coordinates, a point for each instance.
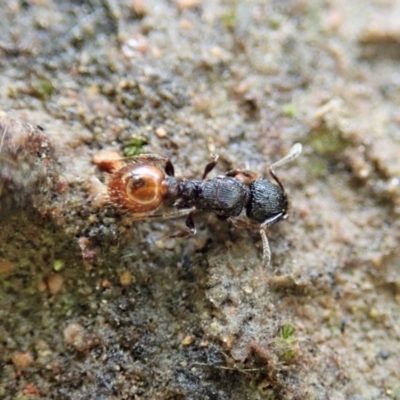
(108, 160)
(73, 333)
(22, 359)
(55, 283)
(161, 132)
(6, 267)
(188, 340)
(126, 278)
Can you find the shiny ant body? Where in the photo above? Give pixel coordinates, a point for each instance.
(142, 184)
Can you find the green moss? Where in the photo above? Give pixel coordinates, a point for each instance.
(289, 356)
(41, 87)
(287, 332)
(285, 345)
(325, 142)
(289, 110)
(396, 393)
(275, 23)
(230, 20)
(58, 265)
(134, 147)
(318, 166)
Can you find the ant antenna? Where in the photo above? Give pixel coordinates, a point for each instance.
(294, 152)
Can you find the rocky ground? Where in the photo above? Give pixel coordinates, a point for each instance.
(95, 306)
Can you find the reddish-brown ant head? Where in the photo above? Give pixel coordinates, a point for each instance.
(139, 188)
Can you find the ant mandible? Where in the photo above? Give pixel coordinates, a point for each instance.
(146, 183)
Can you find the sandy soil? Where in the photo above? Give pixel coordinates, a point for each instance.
(95, 306)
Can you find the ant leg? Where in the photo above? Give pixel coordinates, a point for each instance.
(244, 224)
(210, 166)
(294, 152)
(243, 176)
(169, 168)
(167, 215)
(185, 234)
(272, 220)
(266, 258)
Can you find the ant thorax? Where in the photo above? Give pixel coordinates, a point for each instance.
(224, 196)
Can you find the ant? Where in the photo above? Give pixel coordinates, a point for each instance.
(143, 183)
